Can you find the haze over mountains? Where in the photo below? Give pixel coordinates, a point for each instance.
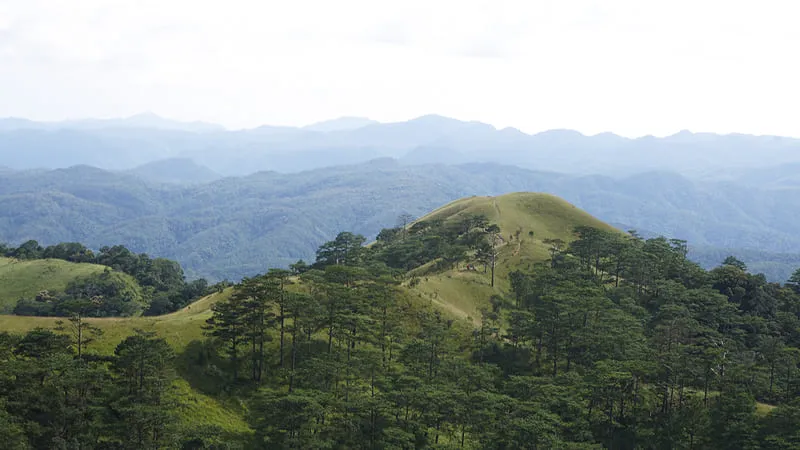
(237, 226)
(124, 144)
(143, 120)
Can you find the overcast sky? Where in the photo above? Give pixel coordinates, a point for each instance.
(633, 67)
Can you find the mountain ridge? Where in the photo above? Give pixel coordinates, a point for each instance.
(429, 138)
(175, 171)
(142, 120)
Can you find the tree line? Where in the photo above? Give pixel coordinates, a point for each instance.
(135, 284)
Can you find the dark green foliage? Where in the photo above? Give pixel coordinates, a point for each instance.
(435, 241)
(794, 281)
(346, 249)
(51, 398)
(733, 421)
(781, 430)
(70, 251)
(735, 262)
(11, 433)
(290, 420)
(107, 294)
(142, 407)
(28, 250)
(299, 267)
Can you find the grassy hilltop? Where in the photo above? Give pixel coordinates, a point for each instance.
(526, 221)
(28, 278)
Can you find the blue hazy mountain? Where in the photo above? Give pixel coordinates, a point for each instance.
(123, 144)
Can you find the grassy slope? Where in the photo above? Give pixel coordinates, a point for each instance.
(463, 292)
(28, 278)
(179, 329)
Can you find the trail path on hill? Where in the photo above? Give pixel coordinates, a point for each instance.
(454, 309)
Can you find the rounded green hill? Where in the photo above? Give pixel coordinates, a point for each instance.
(527, 221)
(28, 278)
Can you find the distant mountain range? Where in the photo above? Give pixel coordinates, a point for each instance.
(139, 121)
(123, 144)
(175, 171)
(237, 226)
(341, 124)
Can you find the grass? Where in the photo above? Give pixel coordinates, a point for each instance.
(203, 411)
(178, 328)
(28, 278)
(547, 216)
(525, 220)
(460, 293)
(762, 409)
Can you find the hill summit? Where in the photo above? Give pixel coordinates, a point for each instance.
(528, 225)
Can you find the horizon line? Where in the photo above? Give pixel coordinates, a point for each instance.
(223, 128)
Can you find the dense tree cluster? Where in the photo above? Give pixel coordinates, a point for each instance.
(615, 342)
(448, 243)
(50, 397)
(136, 284)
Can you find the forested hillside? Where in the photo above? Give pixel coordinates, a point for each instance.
(590, 338)
(239, 226)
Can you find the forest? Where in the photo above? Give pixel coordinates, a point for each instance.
(614, 341)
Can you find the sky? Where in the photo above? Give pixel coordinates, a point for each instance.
(633, 67)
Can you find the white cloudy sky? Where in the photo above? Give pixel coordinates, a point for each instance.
(634, 67)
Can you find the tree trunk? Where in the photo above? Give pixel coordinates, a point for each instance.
(539, 345)
(432, 358)
(294, 353)
(80, 338)
(383, 337)
(494, 258)
(235, 359)
(771, 375)
(282, 328)
(254, 370)
(330, 338)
